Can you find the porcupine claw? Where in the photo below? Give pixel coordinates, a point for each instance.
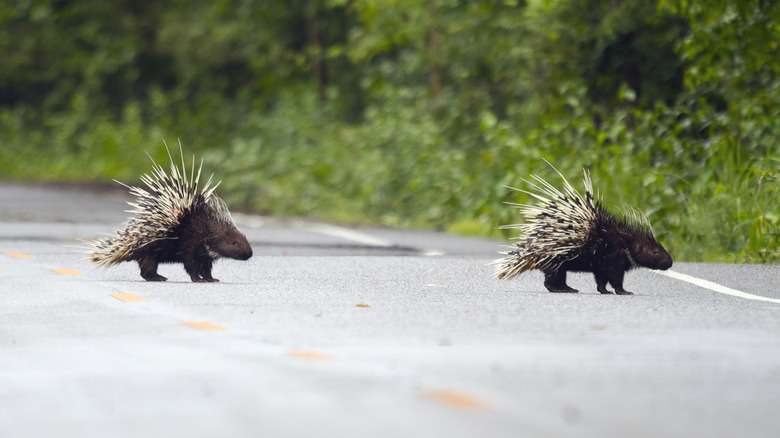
(567, 290)
(604, 290)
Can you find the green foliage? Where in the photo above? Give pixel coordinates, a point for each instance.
(414, 113)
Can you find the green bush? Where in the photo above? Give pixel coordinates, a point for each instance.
(413, 114)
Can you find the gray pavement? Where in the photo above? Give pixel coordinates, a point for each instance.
(336, 331)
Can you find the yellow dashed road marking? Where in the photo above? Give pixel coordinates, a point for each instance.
(309, 355)
(204, 325)
(19, 255)
(362, 305)
(67, 272)
(456, 400)
(128, 298)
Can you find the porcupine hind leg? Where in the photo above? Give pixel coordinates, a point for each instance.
(148, 267)
(555, 281)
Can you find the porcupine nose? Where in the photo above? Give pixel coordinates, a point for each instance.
(240, 249)
(243, 252)
(665, 262)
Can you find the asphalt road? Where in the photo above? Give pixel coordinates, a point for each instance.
(342, 332)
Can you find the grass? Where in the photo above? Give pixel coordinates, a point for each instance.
(711, 199)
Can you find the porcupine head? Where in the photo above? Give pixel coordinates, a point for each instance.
(646, 251)
(175, 222)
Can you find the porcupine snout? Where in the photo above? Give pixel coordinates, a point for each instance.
(245, 253)
(663, 259)
(651, 254)
(235, 246)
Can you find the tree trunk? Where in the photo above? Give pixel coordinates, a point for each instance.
(314, 47)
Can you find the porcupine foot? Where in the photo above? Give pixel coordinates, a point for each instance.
(200, 270)
(556, 282)
(616, 282)
(204, 278)
(601, 285)
(619, 289)
(155, 277)
(149, 270)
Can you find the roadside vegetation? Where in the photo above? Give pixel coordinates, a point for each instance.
(414, 113)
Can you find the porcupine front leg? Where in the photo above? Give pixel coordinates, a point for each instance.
(205, 271)
(601, 282)
(615, 278)
(555, 281)
(199, 268)
(148, 267)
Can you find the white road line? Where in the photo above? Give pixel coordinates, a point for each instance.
(362, 238)
(716, 287)
(317, 227)
(347, 234)
(333, 231)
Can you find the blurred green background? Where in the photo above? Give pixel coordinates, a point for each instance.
(413, 112)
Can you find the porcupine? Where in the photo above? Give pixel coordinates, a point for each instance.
(566, 232)
(175, 222)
